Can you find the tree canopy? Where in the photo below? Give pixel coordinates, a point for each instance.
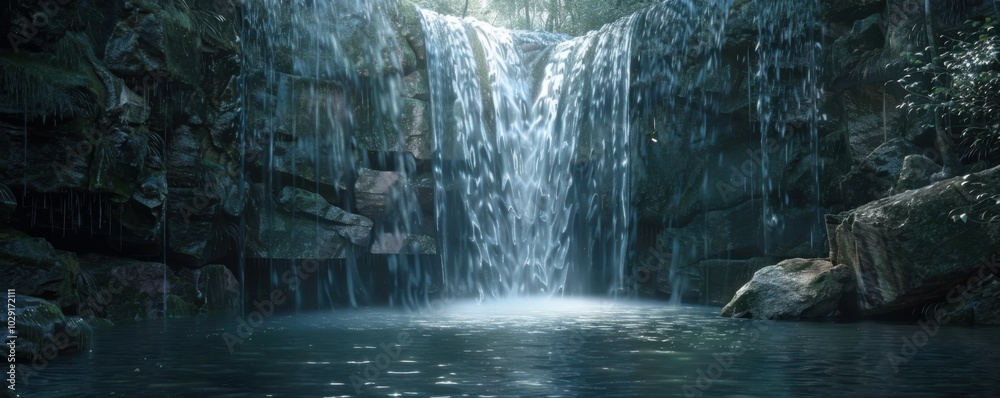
(573, 17)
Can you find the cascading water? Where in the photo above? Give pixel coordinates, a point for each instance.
(535, 134)
(788, 97)
(533, 171)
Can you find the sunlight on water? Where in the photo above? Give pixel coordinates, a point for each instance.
(540, 307)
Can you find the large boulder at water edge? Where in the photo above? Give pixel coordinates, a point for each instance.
(43, 331)
(796, 288)
(32, 266)
(916, 247)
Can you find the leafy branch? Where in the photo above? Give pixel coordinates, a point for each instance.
(960, 82)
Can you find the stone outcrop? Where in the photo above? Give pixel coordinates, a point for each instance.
(32, 267)
(314, 204)
(216, 289)
(915, 247)
(793, 289)
(916, 173)
(874, 177)
(44, 332)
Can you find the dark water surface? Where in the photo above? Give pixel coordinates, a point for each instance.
(526, 348)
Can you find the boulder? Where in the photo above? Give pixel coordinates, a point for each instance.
(33, 267)
(793, 289)
(376, 192)
(199, 242)
(403, 243)
(131, 289)
(280, 235)
(216, 289)
(416, 127)
(123, 103)
(120, 157)
(154, 43)
(416, 86)
(405, 20)
(915, 173)
(855, 53)
(874, 177)
(184, 154)
(43, 331)
(914, 247)
(314, 204)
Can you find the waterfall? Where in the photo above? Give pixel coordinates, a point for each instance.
(537, 137)
(787, 80)
(533, 166)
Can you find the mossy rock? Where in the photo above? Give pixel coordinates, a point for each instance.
(42, 329)
(178, 307)
(128, 289)
(907, 251)
(158, 43)
(33, 266)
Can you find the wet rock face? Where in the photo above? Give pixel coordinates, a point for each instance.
(32, 26)
(102, 92)
(216, 290)
(33, 267)
(917, 246)
(282, 234)
(874, 177)
(401, 243)
(43, 332)
(721, 279)
(915, 173)
(120, 288)
(793, 289)
(141, 109)
(154, 40)
(376, 191)
(313, 204)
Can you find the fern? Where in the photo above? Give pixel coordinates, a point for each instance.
(7, 196)
(985, 207)
(224, 233)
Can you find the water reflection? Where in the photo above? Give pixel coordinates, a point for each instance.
(525, 348)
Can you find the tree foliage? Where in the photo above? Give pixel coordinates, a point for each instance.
(964, 86)
(574, 17)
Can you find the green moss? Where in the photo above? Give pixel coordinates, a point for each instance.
(130, 303)
(408, 13)
(47, 310)
(100, 323)
(183, 45)
(53, 85)
(177, 307)
(69, 294)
